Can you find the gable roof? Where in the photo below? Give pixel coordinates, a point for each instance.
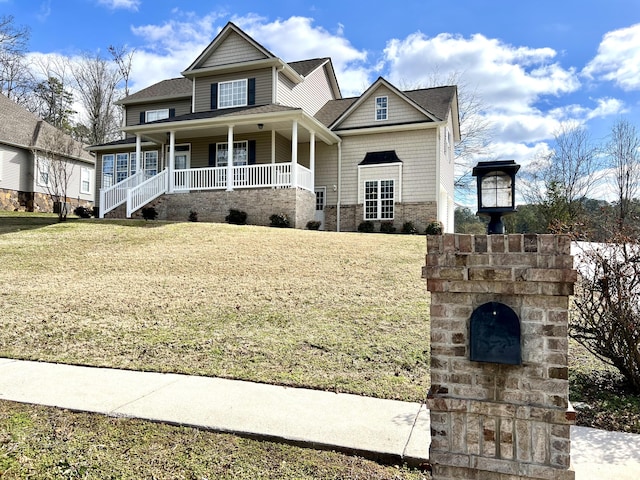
(21, 128)
(305, 67)
(437, 100)
(166, 89)
(333, 109)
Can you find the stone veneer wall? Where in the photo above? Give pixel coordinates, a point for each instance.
(494, 421)
(213, 206)
(420, 214)
(14, 200)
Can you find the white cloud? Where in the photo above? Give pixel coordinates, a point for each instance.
(618, 59)
(125, 4)
(509, 78)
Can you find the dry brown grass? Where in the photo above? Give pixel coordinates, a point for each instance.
(345, 312)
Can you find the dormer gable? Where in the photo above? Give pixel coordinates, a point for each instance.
(382, 104)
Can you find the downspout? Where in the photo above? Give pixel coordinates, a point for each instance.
(339, 185)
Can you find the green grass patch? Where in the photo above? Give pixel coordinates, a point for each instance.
(47, 443)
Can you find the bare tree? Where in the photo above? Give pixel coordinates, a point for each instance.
(124, 59)
(55, 166)
(96, 81)
(623, 152)
(562, 179)
(15, 75)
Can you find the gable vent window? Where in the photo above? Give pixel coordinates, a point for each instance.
(382, 108)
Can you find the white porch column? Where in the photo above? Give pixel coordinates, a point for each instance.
(230, 159)
(312, 158)
(294, 154)
(172, 159)
(138, 152)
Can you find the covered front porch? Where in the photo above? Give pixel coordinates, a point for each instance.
(225, 153)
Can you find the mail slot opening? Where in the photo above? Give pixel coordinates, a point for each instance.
(494, 335)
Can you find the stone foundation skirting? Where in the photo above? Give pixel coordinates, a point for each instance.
(351, 216)
(14, 200)
(259, 204)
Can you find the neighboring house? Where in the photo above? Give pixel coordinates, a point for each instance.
(28, 146)
(297, 147)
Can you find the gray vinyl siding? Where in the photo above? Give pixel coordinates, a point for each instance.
(182, 106)
(263, 86)
(15, 169)
(399, 111)
(416, 150)
(234, 49)
(310, 95)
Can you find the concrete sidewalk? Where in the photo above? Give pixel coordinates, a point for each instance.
(383, 429)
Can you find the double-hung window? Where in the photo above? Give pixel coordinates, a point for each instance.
(43, 172)
(122, 166)
(232, 94)
(382, 108)
(240, 154)
(85, 180)
(378, 199)
(107, 170)
(151, 163)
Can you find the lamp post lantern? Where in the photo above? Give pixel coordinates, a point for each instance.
(496, 191)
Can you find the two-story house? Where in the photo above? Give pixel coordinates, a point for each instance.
(242, 129)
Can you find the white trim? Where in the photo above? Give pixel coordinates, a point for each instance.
(378, 200)
(40, 163)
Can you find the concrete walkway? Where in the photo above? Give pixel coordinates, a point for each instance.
(383, 429)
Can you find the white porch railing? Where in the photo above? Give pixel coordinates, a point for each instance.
(116, 195)
(137, 191)
(148, 190)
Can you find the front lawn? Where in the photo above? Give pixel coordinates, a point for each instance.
(345, 312)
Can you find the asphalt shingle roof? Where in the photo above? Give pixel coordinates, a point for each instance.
(305, 67)
(23, 129)
(172, 88)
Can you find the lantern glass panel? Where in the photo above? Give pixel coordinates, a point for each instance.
(496, 190)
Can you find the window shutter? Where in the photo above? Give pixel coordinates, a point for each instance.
(252, 152)
(172, 112)
(142, 117)
(214, 96)
(251, 91)
(212, 154)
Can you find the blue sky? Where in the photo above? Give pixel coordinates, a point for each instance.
(535, 64)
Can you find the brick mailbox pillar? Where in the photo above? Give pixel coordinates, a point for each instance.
(506, 416)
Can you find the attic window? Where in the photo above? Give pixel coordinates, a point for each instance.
(377, 158)
(382, 108)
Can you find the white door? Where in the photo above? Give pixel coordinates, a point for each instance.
(321, 201)
(182, 162)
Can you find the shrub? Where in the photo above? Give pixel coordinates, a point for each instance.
(193, 216)
(149, 213)
(366, 227)
(83, 212)
(236, 217)
(607, 316)
(313, 225)
(387, 227)
(409, 228)
(279, 220)
(434, 228)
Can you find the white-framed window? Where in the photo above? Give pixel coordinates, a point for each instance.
(107, 170)
(378, 199)
(382, 108)
(122, 166)
(85, 180)
(232, 94)
(240, 153)
(153, 115)
(43, 172)
(132, 162)
(151, 163)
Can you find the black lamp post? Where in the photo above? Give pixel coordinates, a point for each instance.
(496, 191)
